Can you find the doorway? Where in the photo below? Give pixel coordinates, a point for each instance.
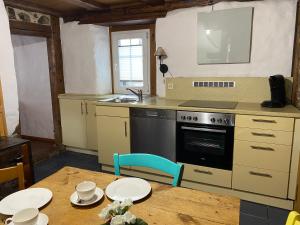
(34, 91)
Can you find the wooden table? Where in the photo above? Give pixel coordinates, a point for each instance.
(167, 205)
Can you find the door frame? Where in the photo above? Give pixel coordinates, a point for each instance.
(52, 34)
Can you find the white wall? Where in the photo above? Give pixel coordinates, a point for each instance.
(7, 73)
(86, 58)
(32, 69)
(272, 41)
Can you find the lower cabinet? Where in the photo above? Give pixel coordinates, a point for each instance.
(78, 121)
(113, 132)
(261, 181)
(207, 175)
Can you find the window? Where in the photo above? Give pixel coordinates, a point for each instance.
(130, 51)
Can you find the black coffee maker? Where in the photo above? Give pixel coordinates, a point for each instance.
(278, 95)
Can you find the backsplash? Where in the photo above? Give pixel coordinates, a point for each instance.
(244, 89)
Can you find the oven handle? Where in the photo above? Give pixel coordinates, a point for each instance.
(203, 129)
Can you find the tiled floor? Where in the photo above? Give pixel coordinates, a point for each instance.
(251, 213)
(45, 168)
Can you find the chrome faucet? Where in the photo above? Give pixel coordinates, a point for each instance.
(138, 92)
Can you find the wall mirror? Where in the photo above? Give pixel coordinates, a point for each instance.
(224, 36)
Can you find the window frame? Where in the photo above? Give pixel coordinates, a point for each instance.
(130, 34)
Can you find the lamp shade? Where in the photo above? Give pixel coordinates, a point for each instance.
(160, 52)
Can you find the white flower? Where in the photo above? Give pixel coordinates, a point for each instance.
(115, 205)
(105, 213)
(117, 220)
(126, 203)
(129, 218)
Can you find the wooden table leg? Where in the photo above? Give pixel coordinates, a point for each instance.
(28, 165)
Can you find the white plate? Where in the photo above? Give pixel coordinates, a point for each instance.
(97, 197)
(42, 220)
(28, 198)
(128, 188)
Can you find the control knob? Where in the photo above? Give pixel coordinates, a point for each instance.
(195, 118)
(189, 118)
(183, 117)
(220, 120)
(213, 120)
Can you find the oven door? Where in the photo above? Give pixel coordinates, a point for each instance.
(210, 146)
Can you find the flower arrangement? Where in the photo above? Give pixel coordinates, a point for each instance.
(117, 214)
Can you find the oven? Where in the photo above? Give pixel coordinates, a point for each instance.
(205, 139)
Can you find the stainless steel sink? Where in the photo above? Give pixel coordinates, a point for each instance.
(120, 99)
(124, 100)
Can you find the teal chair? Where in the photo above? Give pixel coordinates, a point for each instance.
(150, 161)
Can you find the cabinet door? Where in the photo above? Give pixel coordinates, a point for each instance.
(73, 123)
(113, 137)
(91, 125)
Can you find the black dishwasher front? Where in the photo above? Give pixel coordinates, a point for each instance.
(153, 131)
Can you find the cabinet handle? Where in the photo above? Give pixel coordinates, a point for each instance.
(125, 126)
(81, 108)
(262, 148)
(203, 171)
(86, 108)
(263, 121)
(260, 174)
(262, 134)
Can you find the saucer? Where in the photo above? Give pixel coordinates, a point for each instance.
(42, 220)
(97, 197)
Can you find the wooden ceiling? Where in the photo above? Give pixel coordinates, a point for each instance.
(108, 12)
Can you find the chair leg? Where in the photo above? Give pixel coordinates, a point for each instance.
(116, 164)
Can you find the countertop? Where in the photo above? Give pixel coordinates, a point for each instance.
(163, 103)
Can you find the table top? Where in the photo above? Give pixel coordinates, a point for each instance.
(8, 142)
(166, 205)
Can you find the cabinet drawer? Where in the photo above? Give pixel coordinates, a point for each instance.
(112, 111)
(262, 155)
(264, 136)
(207, 175)
(260, 181)
(265, 122)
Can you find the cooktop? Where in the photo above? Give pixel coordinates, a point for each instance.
(209, 104)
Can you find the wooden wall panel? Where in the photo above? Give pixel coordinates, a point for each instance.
(296, 63)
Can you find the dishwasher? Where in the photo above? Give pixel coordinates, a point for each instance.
(153, 131)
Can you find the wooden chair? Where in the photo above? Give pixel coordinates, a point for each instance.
(293, 218)
(15, 172)
(150, 161)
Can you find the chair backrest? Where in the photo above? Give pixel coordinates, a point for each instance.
(150, 161)
(11, 173)
(293, 218)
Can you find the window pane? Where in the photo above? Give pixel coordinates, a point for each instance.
(136, 41)
(137, 51)
(131, 62)
(124, 42)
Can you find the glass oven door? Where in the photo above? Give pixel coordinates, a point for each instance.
(204, 145)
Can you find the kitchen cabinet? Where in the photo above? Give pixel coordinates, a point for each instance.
(262, 152)
(113, 132)
(78, 121)
(91, 125)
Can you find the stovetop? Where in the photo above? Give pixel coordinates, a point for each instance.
(209, 104)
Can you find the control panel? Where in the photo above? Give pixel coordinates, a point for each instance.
(220, 119)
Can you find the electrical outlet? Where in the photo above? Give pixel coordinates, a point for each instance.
(170, 86)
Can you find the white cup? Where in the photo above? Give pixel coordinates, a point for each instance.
(86, 190)
(27, 216)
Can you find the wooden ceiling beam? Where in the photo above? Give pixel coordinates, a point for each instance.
(143, 9)
(96, 4)
(109, 18)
